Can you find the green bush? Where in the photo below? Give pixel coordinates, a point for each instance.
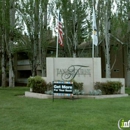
(78, 86)
(37, 83)
(49, 86)
(109, 87)
(31, 82)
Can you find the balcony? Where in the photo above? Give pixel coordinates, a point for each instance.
(23, 62)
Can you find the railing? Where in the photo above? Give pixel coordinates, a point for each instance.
(23, 62)
(21, 80)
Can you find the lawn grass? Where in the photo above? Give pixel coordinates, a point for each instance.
(21, 113)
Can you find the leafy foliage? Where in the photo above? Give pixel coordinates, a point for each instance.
(31, 82)
(96, 92)
(78, 88)
(75, 23)
(109, 87)
(77, 85)
(49, 87)
(38, 84)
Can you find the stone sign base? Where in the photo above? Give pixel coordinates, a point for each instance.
(45, 96)
(83, 70)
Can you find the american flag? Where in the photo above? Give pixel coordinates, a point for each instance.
(60, 32)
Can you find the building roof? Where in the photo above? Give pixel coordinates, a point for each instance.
(84, 45)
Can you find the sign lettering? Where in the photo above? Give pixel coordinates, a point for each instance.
(63, 87)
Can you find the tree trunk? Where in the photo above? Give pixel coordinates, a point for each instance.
(66, 39)
(107, 40)
(11, 72)
(107, 56)
(3, 63)
(36, 38)
(128, 54)
(43, 37)
(3, 48)
(75, 32)
(128, 67)
(75, 45)
(11, 37)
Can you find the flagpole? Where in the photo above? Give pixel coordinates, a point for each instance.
(93, 43)
(94, 37)
(57, 45)
(92, 33)
(93, 59)
(57, 38)
(93, 49)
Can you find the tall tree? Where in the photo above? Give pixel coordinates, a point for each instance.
(8, 26)
(74, 21)
(8, 35)
(3, 45)
(43, 35)
(29, 10)
(107, 38)
(126, 5)
(11, 40)
(34, 15)
(8, 21)
(104, 27)
(128, 52)
(36, 37)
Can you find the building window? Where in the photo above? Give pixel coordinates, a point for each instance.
(116, 70)
(24, 73)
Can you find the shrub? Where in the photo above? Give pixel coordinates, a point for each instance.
(95, 92)
(30, 82)
(49, 86)
(78, 86)
(37, 83)
(109, 87)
